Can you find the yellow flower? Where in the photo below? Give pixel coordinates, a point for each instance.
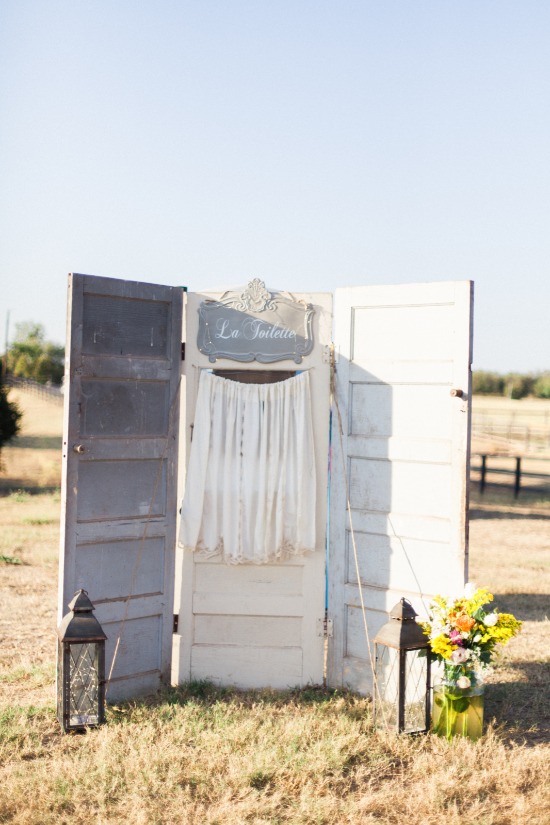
(506, 627)
(442, 646)
(479, 598)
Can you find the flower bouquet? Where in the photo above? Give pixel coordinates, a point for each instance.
(462, 637)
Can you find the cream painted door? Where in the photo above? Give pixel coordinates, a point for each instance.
(400, 441)
(120, 451)
(256, 625)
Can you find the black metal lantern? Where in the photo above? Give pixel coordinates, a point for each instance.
(80, 667)
(402, 673)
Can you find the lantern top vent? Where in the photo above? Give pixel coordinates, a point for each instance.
(80, 625)
(402, 631)
(80, 603)
(402, 611)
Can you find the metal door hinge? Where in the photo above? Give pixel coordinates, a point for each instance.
(175, 625)
(183, 350)
(324, 627)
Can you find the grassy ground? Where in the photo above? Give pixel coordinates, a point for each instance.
(32, 461)
(206, 756)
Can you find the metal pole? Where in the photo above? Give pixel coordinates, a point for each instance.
(5, 358)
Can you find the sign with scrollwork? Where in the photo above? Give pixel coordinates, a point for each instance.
(255, 325)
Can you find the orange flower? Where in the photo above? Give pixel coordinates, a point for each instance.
(464, 623)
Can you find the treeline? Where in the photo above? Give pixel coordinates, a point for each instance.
(32, 356)
(512, 384)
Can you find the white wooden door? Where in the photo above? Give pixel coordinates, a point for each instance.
(119, 472)
(400, 443)
(257, 625)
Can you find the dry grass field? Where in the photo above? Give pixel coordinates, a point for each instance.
(33, 460)
(512, 426)
(204, 756)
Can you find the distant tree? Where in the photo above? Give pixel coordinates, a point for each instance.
(518, 386)
(487, 383)
(512, 385)
(542, 386)
(10, 415)
(31, 356)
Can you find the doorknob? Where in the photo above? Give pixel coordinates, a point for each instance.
(79, 448)
(457, 393)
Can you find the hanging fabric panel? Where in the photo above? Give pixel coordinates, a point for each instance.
(250, 490)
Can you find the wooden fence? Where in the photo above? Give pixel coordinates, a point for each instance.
(49, 392)
(519, 472)
(503, 428)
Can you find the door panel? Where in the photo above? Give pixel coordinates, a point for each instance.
(257, 625)
(120, 468)
(400, 460)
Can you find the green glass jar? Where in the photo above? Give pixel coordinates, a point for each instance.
(458, 711)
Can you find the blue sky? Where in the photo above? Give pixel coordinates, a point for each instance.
(310, 144)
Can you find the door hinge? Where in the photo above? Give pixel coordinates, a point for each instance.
(175, 625)
(324, 627)
(183, 350)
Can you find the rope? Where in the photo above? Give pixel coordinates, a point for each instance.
(352, 531)
(376, 687)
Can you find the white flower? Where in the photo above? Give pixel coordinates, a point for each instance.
(490, 620)
(469, 590)
(439, 630)
(477, 638)
(463, 682)
(459, 656)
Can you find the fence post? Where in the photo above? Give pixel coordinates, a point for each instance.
(517, 482)
(483, 473)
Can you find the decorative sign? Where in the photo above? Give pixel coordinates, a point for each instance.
(256, 325)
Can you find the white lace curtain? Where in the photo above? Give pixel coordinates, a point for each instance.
(250, 491)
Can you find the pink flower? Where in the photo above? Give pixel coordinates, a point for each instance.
(463, 682)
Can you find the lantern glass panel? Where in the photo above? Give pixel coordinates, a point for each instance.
(416, 664)
(387, 687)
(408, 693)
(84, 684)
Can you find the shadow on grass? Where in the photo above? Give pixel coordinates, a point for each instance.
(208, 695)
(517, 710)
(37, 442)
(527, 607)
(520, 710)
(10, 487)
(480, 513)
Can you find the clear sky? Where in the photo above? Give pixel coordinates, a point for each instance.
(312, 144)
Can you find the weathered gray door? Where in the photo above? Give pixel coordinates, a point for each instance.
(119, 476)
(400, 459)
